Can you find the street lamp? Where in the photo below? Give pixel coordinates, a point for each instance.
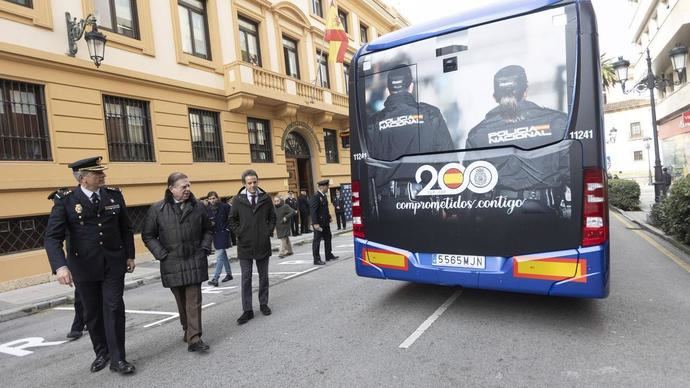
(95, 40)
(649, 161)
(650, 82)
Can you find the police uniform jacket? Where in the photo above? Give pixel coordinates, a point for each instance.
(253, 226)
(339, 204)
(319, 210)
(180, 239)
(98, 237)
(405, 126)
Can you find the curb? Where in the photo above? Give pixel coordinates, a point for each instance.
(657, 232)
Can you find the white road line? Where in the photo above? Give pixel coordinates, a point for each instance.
(300, 273)
(345, 246)
(429, 321)
(175, 315)
(127, 311)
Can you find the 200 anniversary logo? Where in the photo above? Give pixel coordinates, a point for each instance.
(453, 178)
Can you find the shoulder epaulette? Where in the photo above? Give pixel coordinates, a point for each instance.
(112, 188)
(60, 193)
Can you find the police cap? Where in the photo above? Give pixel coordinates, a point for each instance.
(324, 182)
(510, 81)
(88, 164)
(399, 79)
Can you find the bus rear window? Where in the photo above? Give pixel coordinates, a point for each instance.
(507, 83)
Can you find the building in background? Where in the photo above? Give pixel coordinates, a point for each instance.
(209, 88)
(660, 25)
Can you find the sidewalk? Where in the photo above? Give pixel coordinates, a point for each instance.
(640, 217)
(29, 300)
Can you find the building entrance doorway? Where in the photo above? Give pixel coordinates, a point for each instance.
(298, 163)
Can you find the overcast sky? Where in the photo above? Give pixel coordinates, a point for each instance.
(613, 17)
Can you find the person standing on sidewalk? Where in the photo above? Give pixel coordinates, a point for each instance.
(321, 219)
(284, 216)
(339, 207)
(92, 219)
(294, 223)
(218, 213)
(303, 204)
(178, 233)
(253, 218)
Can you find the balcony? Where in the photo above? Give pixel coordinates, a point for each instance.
(247, 86)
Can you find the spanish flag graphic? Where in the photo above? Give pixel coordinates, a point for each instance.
(335, 35)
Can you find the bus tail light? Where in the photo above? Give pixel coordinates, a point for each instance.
(595, 223)
(357, 224)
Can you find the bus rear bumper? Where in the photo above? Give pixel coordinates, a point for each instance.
(582, 273)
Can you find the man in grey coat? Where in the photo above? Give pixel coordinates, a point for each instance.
(252, 219)
(178, 232)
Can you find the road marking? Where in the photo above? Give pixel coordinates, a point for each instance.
(429, 321)
(301, 273)
(173, 316)
(290, 262)
(215, 290)
(17, 347)
(680, 262)
(345, 246)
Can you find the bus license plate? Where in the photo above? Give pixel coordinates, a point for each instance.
(460, 261)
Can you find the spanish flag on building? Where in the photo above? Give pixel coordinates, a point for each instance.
(335, 35)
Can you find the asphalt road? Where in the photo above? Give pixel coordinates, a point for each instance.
(332, 328)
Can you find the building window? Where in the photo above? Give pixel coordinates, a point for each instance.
(249, 41)
(194, 28)
(363, 34)
(346, 77)
(330, 141)
(637, 156)
(323, 70)
(345, 141)
(207, 145)
(119, 16)
(23, 122)
(343, 18)
(291, 57)
(22, 234)
(635, 130)
(25, 3)
(317, 7)
(128, 128)
(259, 140)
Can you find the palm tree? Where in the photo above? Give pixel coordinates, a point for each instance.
(608, 75)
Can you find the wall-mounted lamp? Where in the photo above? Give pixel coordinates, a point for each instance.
(95, 40)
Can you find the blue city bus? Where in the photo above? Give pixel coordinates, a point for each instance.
(477, 148)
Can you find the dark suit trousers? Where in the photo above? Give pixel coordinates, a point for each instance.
(262, 269)
(294, 225)
(304, 220)
(188, 300)
(325, 234)
(104, 313)
(340, 219)
(78, 322)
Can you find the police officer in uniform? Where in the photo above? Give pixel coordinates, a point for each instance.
(92, 219)
(515, 121)
(405, 125)
(320, 219)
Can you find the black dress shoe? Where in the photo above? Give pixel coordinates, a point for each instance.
(213, 282)
(199, 346)
(333, 258)
(265, 310)
(74, 334)
(122, 367)
(319, 262)
(227, 278)
(245, 317)
(100, 362)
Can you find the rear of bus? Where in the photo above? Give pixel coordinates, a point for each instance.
(477, 152)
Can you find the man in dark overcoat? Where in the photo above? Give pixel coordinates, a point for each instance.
(93, 220)
(178, 233)
(253, 218)
(320, 220)
(339, 208)
(294, 221)
(304, 212)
